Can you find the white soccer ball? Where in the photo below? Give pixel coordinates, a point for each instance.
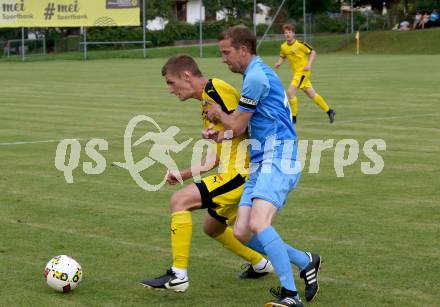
(63, 273)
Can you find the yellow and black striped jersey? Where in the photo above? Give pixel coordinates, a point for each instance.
(224, 94)
(297, 54)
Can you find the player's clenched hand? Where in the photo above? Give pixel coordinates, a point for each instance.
(212, 134)
(214, 112)
(207, 133)
(171, 178)
(307, 68)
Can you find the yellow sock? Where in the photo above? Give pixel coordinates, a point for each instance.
(230, 242)
(321, 103)
(294, 105)
(181, 232)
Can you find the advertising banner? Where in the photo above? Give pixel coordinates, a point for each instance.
(69, 13)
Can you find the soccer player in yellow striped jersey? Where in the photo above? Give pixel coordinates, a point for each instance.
(219, 193)
(219, 92)
(300, 56)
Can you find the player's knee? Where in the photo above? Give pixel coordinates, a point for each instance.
(257, 225)
(209, 231)
(179, 202)
(254, 227)
(291, 92)
(310, 92)
(185, 199)
(241, 235)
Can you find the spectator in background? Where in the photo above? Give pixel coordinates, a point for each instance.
(425, 19)
(433, 19)
(384, 9)
(404, 26)
(417, 20)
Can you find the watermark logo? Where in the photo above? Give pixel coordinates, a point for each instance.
(162, 144)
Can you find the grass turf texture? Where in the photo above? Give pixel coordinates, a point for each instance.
(378, 234)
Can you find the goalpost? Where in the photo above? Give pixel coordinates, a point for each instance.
(23, 47)
(271, 23)
(307, 23)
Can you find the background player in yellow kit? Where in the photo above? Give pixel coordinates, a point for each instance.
(219, 193)
(301, 57)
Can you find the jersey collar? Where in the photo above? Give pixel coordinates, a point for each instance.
(256, 60)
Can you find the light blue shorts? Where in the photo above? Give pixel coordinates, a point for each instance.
(271, 182)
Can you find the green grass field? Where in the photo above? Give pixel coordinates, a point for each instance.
(378, 234)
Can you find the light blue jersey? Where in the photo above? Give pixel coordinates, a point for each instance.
(271, 123)
(263, 94)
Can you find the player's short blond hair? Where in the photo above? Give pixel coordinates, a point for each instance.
(288, 27)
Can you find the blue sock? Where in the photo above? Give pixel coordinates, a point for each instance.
(297, 257)
(275, 249)
(256, 245)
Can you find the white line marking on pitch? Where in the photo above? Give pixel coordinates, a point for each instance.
(25, 143)
(373, 119)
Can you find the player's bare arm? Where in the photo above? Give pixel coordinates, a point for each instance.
(312, 58)
(236, 122)
(208, 163)
(279, 62)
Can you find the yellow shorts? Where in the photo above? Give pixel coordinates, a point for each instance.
(302, 80)
(221, 195)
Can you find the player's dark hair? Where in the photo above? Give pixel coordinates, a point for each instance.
(288, 27)
(180, 63)
(240, 36)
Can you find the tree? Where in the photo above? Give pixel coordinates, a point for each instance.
(294, 8)
(233, 8)
(158, 8)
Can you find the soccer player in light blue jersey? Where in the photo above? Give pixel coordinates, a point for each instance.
(264, 113)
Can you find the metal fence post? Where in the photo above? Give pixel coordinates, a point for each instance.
(200, 30)
(85, 42)
(305, 22)
(255, 17)
(22, 44)
(144, 29)
(44, 45)
(352, 17)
